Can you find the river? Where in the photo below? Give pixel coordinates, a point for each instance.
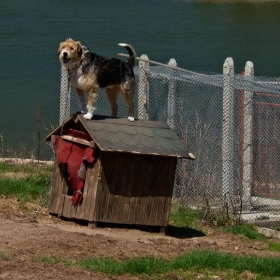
(199, 34)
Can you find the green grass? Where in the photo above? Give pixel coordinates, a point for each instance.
(32, 186)
(202, 261)
(4, 256)
(274, 246)
(184, 216)
(247, 230)
(183, 222)
(111, 266)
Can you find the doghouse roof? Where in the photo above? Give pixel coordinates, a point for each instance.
(121, 135)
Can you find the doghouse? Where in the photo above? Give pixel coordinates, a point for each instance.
(121, 172)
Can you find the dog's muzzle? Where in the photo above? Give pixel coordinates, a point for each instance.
(65, 58)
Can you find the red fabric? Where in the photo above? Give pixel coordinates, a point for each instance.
(74, 154)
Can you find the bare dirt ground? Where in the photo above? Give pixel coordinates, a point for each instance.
(49, 236)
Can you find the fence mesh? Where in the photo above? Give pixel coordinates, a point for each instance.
(228, 121)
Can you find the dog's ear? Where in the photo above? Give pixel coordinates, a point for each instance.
(79, 49)
(59, 50)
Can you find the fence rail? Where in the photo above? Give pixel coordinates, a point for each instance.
(218, 116)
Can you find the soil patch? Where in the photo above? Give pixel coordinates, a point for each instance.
(45, 235)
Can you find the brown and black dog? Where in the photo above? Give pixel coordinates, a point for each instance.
(88, 72)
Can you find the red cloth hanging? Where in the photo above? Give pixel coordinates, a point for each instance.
(74, 155)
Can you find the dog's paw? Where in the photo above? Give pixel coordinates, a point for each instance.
(131, 118)
(90, 113)
(88, 116)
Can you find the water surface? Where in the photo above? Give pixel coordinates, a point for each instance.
(199, 34)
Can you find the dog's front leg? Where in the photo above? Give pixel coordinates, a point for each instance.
(92, 98)
(81, 99)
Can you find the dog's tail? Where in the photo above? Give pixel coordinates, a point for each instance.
(132, 54)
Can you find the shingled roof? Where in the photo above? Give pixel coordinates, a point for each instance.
(121, 135)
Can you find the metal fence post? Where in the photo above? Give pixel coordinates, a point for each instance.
(171, 95)
(247, 148)
(64, 110)
(227, 137)
(143, 89)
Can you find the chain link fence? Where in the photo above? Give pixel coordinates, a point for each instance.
(228, 121)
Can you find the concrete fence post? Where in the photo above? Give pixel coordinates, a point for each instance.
(171, 95)
(247, 147)
(228, 133)
(143, 89)
(64, 110)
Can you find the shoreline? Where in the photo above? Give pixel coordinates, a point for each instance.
(24, 161)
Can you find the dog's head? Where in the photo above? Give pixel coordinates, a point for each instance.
(69, 52)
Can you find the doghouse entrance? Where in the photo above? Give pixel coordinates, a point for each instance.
(66, 190)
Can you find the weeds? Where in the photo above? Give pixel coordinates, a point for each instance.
(1, 145)
(41, 149)
(38, 122)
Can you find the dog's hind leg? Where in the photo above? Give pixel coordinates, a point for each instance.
(81, 99)
(112, 95)
(128, 95)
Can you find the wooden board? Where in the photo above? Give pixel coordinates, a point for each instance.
(59, 186)
(103, 191)
(133, 189)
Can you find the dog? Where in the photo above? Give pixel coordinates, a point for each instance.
(88, 72)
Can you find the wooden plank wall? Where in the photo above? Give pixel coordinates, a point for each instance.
(135, 189)
(59, 187)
